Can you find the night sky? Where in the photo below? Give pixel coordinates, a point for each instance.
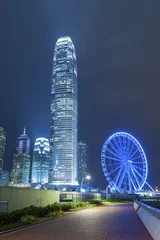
(118, 58)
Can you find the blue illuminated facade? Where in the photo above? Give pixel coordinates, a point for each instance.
(41, 160)
(124, 163)
(63, 128)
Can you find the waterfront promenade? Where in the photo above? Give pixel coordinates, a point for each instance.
(113, 222)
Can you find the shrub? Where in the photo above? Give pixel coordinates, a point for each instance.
(53, 207)
(60, 212)
(16, 215)
(80, 204)
(28, 219)
(52, 214)
(97, 202)
(4, 218)
(55, 214)
(66, 207)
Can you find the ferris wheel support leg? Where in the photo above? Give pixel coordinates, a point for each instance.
(149, 186)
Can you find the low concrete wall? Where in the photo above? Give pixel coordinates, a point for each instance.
(18, 198)
(150, 217)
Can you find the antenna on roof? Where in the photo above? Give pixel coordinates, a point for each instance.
(24, 131)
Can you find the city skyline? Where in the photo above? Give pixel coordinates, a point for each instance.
(118, 73)
(64, 114)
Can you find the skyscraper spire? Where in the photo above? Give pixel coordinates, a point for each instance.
(24, 131)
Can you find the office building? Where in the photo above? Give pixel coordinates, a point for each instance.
(5, 178)
(63, 128)
(41, 160)
(82, 161)
(21, 161)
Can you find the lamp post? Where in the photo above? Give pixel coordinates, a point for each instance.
(107, 192)
(86, 177)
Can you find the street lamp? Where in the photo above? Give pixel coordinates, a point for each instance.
(107, 192)
(86, 177)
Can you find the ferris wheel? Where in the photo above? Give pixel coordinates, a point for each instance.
(124, 163)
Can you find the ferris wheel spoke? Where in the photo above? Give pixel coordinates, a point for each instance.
(121, 179)
(131, 149)
(114, 170)
(135, 158)
(128, 143)
(116, 144)
(124, 142)
(115, 159)
(137, 167)
(135, 177)
(120, 142)
(134, 153)
(117, 176)
(111, 164)
(138, 174)
(129, 181)
(113, 153)
(133, 184)
(113, 147)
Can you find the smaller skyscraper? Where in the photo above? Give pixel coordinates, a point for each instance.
(21, 161)
(41, 160)
(2, 149)
(82, 160)
(5, 178)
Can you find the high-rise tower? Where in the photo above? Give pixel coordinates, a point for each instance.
(21, 160)
(40, 164)
(63, 128)
(2, 148)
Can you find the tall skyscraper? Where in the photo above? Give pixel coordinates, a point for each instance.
(63, 128)
(21, 160)
(82, 160)
(41, 159)
(2, 149)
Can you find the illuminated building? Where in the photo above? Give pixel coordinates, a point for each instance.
(82, 160)
(41, 159)
(5, 178)
(63, 128)
(21, 161)
(2, 149)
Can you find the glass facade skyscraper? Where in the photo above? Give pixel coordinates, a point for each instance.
(82, 160)
(63, 128)
(21, 161)
(2, 149)
(41, 159)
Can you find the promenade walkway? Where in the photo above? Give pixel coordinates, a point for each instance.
(114, 222)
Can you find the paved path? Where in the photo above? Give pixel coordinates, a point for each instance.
(115, 222)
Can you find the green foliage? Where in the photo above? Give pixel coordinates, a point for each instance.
(97, 202)
(53, 207)
(28, 219)
(65, 207)
(52, 214)
(55, 214)
(4, 218)
(30, 214)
